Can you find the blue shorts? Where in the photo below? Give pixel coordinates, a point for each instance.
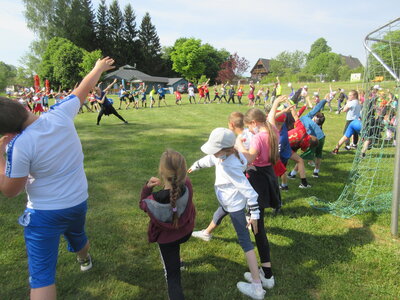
(42, 236)
(354, 127)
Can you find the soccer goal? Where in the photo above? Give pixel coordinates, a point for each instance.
(374, 178)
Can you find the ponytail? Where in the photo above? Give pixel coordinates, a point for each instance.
(273, 141)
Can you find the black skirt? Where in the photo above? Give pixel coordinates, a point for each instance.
(265, 183)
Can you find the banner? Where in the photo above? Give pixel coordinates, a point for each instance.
(36, 81)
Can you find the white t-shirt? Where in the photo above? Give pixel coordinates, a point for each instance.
(50, 153)
(191, 91)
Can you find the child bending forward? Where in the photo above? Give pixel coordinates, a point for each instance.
(234, 192)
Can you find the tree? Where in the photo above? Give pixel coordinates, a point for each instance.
(102, 28)
(326, 64)
(88, 61)
(390, 54)
(116, 32)
(132, 51)
(213, 58)
(318, 47)
(23, 77)
(67, 60)
(294, 61)
(188, 58)
(233, 68)
(150, 45)
(7, 74)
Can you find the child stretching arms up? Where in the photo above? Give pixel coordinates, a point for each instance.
(233, 193)
(172, 215)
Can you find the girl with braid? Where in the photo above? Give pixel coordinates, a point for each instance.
(172, 215)
(234, 192)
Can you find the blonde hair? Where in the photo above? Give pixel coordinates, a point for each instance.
(254, 114)
(172, 168)
(236, 118)
(232, 150)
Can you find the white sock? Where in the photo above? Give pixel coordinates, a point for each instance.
(293, 172)
(316, 170)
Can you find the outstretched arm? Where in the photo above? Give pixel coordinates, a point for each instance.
(110, 85)
(91, 79)
(271, 114)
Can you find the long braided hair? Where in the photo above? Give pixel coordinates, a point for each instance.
(254, 114)
(173, 170)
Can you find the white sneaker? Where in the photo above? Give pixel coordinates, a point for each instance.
(249, 290)
(267, 283)
(86, 264)
(201, 234)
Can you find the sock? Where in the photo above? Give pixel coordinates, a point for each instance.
(284, 185)
(267, 272)
(304, 181)
(293, 173)
(316, 170)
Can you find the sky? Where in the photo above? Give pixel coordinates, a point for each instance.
(252, 28)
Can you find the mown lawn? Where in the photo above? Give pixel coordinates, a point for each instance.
(315, 255)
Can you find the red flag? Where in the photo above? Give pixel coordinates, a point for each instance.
(47, 85)
(36, 83)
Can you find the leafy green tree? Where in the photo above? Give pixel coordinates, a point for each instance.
(67, 60)
(213, 58)
(46, 67)
(88, 61)
(7, 74)
(23, 77)
(325, 64)
(318, 47)
(390, 54)
(294, 61)
(188, 58)
(150, 45)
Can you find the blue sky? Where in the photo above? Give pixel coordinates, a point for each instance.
(252, 28)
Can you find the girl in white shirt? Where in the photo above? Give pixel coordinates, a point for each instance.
(234, 192)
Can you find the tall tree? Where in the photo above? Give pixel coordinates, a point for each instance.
(89, 26)
(326, 64)
(132, 51)
(116, 31)
(102, 28)
(213, 59)
(318, 47)
(150, 45)
(7, 74)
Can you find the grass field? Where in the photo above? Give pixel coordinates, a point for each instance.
(314, 254)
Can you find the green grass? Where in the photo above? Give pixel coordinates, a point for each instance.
(315, 255)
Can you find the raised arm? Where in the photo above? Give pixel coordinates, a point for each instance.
(91, 79)
(110, 85)
(271, 114)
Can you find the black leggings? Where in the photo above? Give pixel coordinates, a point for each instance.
(111, 110)
(262, 240)
(231, 98)
(170, 257)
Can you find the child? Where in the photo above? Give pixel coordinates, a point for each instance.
(250, 96)
(161, 95)
(236, 124)
(151, 96)
(233, 193)
(263, 154)
(178, 98)
(191, 93)
(48, 150)
(216, 95)
(106, 106)
(240, 93)
(172, 214)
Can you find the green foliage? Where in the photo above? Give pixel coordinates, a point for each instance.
(389, 53)
(188, 58)
(318, 47)
(67, 60)
(291, 62)
(88, 61)
(325, 63)
(24, 77)
(212, 59)
(150, 46)
(7, 74)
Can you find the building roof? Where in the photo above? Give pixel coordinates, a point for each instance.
(129, 73)
(351, 62)
(265, 62)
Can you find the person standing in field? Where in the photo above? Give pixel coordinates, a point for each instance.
(44, 157)
(172, 215)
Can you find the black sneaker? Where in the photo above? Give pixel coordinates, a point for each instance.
(315, 175)
(290, 176)
(302, 186)
(283, 188)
